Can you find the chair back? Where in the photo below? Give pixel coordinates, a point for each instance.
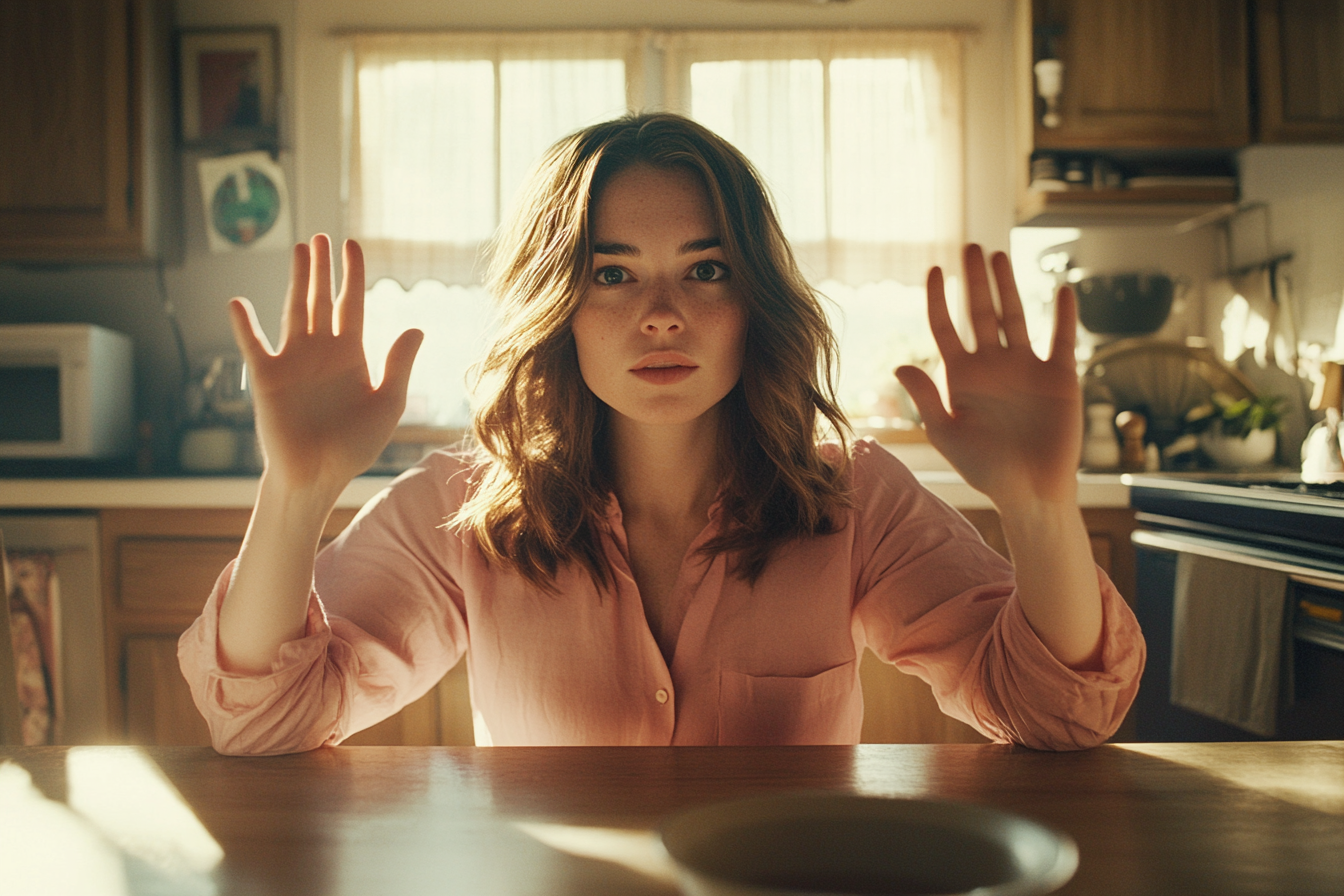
(11, 713)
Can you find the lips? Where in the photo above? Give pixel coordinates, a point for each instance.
(664, 368)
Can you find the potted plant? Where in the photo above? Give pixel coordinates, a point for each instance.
(1238, 433)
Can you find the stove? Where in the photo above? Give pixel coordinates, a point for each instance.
(1258, 522)
(1278, 512)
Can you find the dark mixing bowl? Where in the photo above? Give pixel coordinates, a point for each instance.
(1124, 304)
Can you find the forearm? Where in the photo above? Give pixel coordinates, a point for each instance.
(1057, 580)
(267, 600)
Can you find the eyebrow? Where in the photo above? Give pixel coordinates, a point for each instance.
(687, 248)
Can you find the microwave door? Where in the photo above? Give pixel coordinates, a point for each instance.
(30, 403)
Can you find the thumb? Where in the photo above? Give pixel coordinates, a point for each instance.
(247, 332)
(925, 396)
(400, 358)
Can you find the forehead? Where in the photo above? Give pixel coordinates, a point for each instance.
(643, 196)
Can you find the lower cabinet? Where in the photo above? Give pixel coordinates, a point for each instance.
(160, 565)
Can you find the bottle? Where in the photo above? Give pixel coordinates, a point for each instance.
(1101, 448)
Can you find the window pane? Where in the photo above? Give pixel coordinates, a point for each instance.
(772, 111)
(542, 100)
(458, 322)
(884, 159)
(427, 141)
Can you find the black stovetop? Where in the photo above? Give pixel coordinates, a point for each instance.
(1278, 511)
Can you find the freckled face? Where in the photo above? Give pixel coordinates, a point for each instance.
(660, 332)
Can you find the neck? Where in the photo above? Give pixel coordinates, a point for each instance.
(666, 472)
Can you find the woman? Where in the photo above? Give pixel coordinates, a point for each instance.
(650, 544)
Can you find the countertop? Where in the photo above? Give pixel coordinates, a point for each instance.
(1094, 490)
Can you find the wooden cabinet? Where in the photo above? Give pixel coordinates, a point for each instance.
(900, 708)
(82, 159)
(1146, 73)
(158, 568)
(1300, 49)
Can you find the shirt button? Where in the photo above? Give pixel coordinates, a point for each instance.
(661, 696)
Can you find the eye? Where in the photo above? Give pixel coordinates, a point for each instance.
(610, 276)
(709, 270)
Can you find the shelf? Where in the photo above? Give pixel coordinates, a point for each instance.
(1149, 205)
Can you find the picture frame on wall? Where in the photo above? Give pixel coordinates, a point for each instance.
(228, 86)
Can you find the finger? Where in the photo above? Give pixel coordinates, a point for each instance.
(350, 303)
(940, 321)
(319, 287)
(979, 299)
(1010, 302)
(1065, 337)
(294, 316)
(247, 332)
(925, 395)
(400, 359)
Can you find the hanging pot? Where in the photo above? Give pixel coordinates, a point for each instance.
(1124, 304)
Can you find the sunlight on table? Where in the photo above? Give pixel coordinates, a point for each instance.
(46, 848)
(1306, 782)
(125, 795)
(639, 850)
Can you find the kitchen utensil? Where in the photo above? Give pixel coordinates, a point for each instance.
(837, 844)
(1128, 304)
(1101, 448)
(1163, 380)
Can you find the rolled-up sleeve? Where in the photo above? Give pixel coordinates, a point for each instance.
(387, 625)
(936, 601)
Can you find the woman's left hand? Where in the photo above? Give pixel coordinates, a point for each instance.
(1014, 429)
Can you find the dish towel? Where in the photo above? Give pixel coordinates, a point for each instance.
(1228, 642)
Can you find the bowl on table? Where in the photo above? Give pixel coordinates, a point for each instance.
(842, 844)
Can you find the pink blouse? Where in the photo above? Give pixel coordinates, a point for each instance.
(399, 598)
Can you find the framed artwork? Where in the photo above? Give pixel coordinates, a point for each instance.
(228, 85)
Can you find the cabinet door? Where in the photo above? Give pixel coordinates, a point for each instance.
(1146, 73)
(69, 150)
(1301, 70)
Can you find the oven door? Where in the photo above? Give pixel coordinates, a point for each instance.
(1315, 611)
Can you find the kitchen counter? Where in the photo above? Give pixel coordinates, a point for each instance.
(1094, 490)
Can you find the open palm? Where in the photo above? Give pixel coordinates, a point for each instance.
(1013, 428)
(320, 420)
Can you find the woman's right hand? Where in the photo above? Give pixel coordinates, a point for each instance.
(320, 420)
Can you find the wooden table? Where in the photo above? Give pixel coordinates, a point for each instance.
(1148, 818)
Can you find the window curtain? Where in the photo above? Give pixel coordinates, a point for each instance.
(858, 134)
(444, 126)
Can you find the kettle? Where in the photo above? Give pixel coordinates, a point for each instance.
(1323, 449)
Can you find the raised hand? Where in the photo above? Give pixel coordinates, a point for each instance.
(320, 420)
(1014, 427)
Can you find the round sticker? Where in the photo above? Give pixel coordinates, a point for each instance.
(245, 206)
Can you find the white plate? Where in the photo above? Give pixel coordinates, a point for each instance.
(842, 844)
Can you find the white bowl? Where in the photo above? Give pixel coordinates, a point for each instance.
(1255, 450)
(842, 844)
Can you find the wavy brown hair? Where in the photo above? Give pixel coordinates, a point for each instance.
(540, 499)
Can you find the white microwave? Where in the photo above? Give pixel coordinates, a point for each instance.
(66, 391)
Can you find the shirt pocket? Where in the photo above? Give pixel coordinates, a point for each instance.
(826, 708)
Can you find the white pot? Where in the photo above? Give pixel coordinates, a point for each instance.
(1253, 451)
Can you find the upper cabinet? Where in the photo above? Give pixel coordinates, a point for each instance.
(1137, 107)
(1145, 73)
(83, 148)
(1300, 48)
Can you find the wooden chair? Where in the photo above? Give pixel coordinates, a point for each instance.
(11, 714)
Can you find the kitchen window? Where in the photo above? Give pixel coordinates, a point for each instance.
(857, 134)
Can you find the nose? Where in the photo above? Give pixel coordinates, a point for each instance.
(662, 313)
